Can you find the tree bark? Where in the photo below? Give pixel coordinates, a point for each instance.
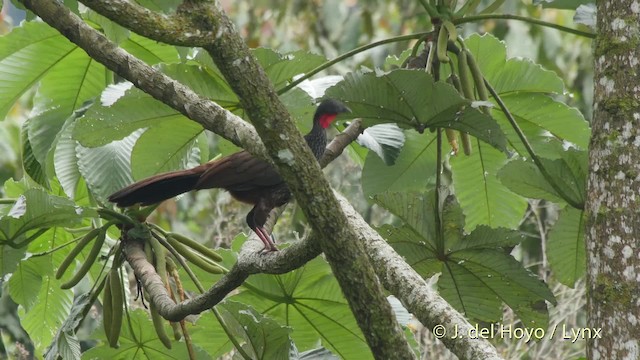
(613, 190)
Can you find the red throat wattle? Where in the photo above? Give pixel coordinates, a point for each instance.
(327, 119)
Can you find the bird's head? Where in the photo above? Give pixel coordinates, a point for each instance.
(327, 111)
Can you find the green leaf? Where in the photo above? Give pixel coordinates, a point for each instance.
(107, 168)
(524, 178)
(22, 62)
(386, 140)
(10, 258)
(65, 160)
(138, 340)
(301, 107)
(477, 282)
(566, 246)
(48, 312)
(412, 99)
(150, 51)
(209, 334)
(74, 80)
(110, 29)
(477, 274)
(135, 110)
(417, 251)
(569, 173)
(150, 156)
(31, 165)
(484, 237)
(281, 68)
(260, 336)
(25, 282)
(36, 209)
(415, 209)
(414, 168)
(308, 300)
(542, 117)
(483, 198)
(101, 125)
(513, 75)
(65, 343)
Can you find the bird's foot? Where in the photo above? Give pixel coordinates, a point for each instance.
(269, 246)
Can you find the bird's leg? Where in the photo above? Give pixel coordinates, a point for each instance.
(256, 219)
(266, 239)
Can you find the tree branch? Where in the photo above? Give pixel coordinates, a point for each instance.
(297, 166)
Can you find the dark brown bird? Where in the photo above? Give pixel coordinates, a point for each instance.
(248, 179)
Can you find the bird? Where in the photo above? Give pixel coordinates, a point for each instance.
(248, 179)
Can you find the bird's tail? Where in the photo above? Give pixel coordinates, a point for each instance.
(157, 188)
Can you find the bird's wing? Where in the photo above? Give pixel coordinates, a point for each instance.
(238, 172)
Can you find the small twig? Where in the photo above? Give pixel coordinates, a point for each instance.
(474, 18)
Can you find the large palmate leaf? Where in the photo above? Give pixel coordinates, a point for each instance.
(310, 302)
(524, 87)
(566, 246)
(413, 169)
(483, 198)
(478, 276)
(36, 209)
(412, 99)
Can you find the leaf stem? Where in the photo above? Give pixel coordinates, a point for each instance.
(483, 17)
(436, 212)
(431, 10)
(7, 201)
(349, 54)
(113, 215)
(529, 148)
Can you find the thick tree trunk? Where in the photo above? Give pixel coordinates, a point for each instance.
(613, 199)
